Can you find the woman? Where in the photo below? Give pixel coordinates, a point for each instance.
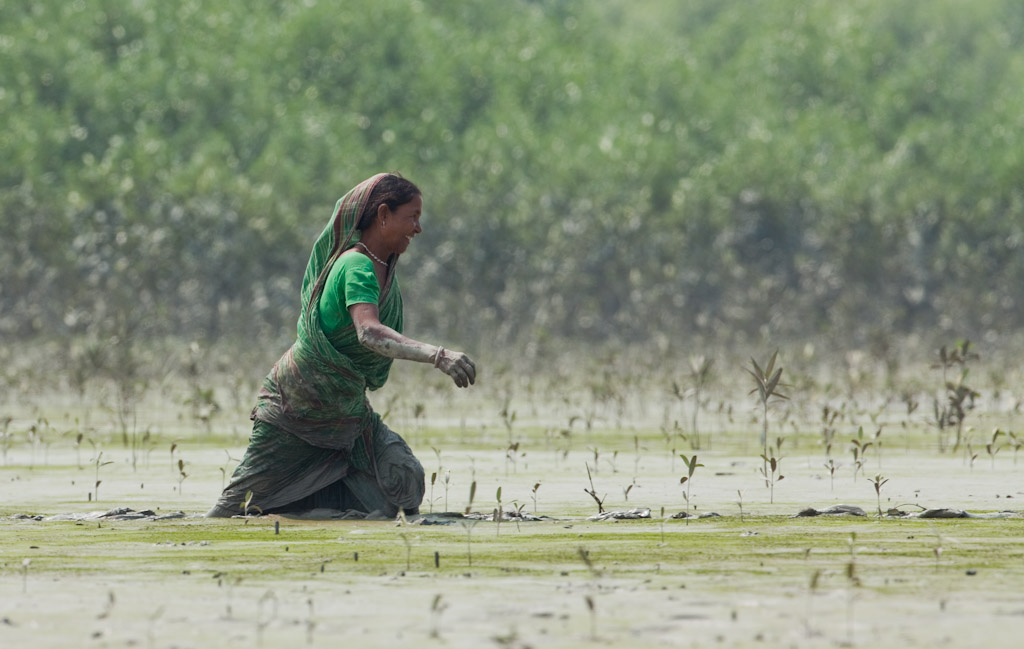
(316, 443)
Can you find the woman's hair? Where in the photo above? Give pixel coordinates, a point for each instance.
(391, 190)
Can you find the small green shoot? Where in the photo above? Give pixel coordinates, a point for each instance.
(691, 468)
(768, 382)
(878, 481)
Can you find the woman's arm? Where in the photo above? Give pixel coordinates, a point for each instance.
(384, 340)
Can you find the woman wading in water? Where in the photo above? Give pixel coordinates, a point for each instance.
(316, 443)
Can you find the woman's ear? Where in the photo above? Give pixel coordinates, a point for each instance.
(382, 213)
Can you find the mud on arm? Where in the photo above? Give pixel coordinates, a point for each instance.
(384, 340)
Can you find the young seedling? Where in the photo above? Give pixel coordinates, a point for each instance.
(691, 468)
(739, 494)
(831, 467)
(437, 607)
(433, 479)
(181, 474)
(533, 494)
(511, 454)
(6, 436)
(78, 449)
(768, 382)
(593, 492)
(700, 375)
(771, 466)
(408, 550)
(992, 448)
(499, 513)
(472, 495)
(828, 428)
(508, 418)
(859, 448)
(960, 399)
(1016, 443)
(853, 580)
(447, 480)
(663, 525)
(593, 616)
(468, 524)
(627, 489)
(98, 462)
(246, 504)
(878, 481)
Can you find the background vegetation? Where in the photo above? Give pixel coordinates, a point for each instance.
(603, 171)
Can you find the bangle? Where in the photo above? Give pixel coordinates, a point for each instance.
(437, 356)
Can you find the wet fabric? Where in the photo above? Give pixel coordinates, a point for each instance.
(313, 428)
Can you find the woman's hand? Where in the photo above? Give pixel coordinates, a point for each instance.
(456, 365)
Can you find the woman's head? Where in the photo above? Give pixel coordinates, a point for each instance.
(391, 190)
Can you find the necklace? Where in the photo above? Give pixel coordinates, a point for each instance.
(372, 256)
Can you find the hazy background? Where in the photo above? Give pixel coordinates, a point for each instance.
(657, 173)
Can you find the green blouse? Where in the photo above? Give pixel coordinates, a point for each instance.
(352, 281)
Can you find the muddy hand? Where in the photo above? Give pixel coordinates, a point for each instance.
(458, 366)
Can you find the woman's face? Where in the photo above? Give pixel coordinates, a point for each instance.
(402, 224)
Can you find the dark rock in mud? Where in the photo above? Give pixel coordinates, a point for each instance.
(685, 514)
(834, 510)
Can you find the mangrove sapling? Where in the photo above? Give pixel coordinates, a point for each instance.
(813, 588)
(510, 457)
(636, 459)
(468, 524)
(959, 355)
(472, 495)
(593, 616)
(941, 421)
(498, 513)
(593, 492)
(831, 467)
(992, 448)
(437, 607)
(691, 468)
(739, 494)
(508, 418)
(700, 375)
(533, 494)
(859, 448)
(98, 462)
(877, 482)
(627, 489)
(853, 580)
(971, 456)
(960, 399)
(408, 549)
(78, 449)
(447, 480)
(246, 504)
(181, 474)
(1016, 443)
(310, 621)
(663, 524)
(771, 466)
(828, 428)
(768, 382)
(6, 436)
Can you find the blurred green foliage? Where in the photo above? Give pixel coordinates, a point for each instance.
(601, 170)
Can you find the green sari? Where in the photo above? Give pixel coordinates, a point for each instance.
(316, 441)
